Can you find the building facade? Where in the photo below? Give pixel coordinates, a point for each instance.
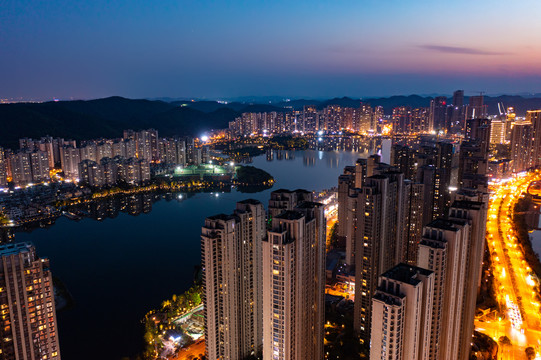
(232, 294)
(29, 326)
(294, 284)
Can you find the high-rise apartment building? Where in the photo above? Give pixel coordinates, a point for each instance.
(414, 203)
(403, 158)
(29, 166)
(443, 250)
(534, 117)
(40, 165)
(497, 131)
(458, 112)
(420, 120)
(475, 214)
(294, 284)
(70, 159)
(3, 169)
(146, 142)
(402, 314)
(333, 117)
(438, 114)
(232, 282)
(476, 108)
(365, 119)
(345, 183)
(402, 120)
(378, 237)
(458, 98)
(521, 138)
(29, 327)
(91, 173)
(21, 167)
(310, 117)
(283, 199)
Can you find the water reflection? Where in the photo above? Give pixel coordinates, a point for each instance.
(134, 205)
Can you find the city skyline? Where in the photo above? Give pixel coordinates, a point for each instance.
(320, 180)
(215, 50)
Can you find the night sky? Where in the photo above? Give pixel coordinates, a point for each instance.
(222, 49)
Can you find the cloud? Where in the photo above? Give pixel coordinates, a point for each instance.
(460, 50)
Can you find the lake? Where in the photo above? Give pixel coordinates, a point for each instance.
(119, 268)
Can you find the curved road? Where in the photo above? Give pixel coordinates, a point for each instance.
(515, 287)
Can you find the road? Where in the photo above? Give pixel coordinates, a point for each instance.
(192, 351)
(514, 285)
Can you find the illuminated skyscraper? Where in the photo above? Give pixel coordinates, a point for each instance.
(402, 120)
(402, 314)
(232, 293)
(21, 167)
(378, 239)
(443, 250)
(294, 284)
(39, 161)
(70, 158)
(497, 131)
(438, 114)
(534, 117)
(310, 118)
(365, 119)
(475, 214)
(283, 199)
(3, 169)
(29, 326)
(458, 112)
(476, 109)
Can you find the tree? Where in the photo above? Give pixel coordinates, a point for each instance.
(504, 341)
(530, 353)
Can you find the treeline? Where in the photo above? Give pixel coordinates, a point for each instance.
(521, 225)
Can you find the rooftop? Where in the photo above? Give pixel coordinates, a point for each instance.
(308, 205)
(465, 204)
(15, 248)
(388, 299)
(223, 217)
(290, 215)
(406, 273)
(250, 202)
(450, 225)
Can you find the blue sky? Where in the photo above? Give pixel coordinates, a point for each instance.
(218, 49)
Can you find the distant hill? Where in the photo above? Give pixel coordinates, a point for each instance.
(108, 117)
(520, 103)
(104, 118)
(415, 101)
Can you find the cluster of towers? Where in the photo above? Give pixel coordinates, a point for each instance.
(414, 235)
(100, 162)
(264, 279)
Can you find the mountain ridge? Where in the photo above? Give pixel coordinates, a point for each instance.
(108, 117)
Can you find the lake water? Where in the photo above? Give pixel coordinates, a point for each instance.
(119, 268)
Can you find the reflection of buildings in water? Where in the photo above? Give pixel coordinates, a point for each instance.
(111, 207)
(332, 159)
(341, 143)
(289, 155)
(270, 155)
(140, 203)
(309, 158)
(374, 146)
(284, 155)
